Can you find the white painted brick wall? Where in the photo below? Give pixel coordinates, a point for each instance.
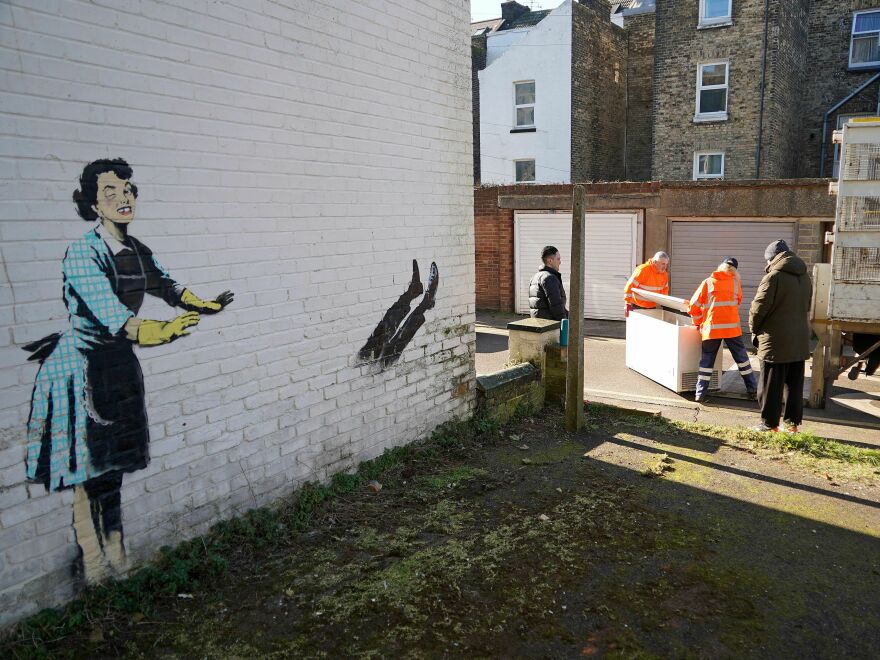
(298, 152)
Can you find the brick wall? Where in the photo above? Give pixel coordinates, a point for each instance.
(811, 243)
(679, 48)
(493, 235)
(478, 63)
(598, 94)
(639, 75)
(300, 157)
(830, 79)
(785, 81)
(804, 201)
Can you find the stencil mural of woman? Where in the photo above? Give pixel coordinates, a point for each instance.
(88, 420)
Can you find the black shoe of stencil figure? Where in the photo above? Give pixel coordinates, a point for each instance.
(415, 286)
(433, 283)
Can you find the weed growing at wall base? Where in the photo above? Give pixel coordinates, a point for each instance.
(199, 561)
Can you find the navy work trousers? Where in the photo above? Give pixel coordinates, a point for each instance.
(707, 361)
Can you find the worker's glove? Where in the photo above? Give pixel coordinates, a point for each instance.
(155, 333)
(191, 301)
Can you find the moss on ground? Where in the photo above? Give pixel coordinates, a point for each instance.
(467, 552)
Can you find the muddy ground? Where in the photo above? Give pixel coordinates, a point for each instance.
(632, 539)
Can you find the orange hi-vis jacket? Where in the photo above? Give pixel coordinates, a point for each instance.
(714, 307)
(645, 277)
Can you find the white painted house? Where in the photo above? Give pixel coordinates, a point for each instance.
(525, 99)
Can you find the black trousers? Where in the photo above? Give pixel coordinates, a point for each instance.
(781, 392)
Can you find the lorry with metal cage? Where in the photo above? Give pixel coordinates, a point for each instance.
(846, 292)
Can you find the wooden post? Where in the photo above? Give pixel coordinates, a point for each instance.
(574, 377)
(833, 352)
(817, 376)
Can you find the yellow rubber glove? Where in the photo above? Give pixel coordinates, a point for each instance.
(189, 300)
(155, 333)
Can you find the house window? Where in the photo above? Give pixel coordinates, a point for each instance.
(712, 81)
(715, 12)
(525, 171)
(708, 165)
(841, 120)
(524, 103)
(864, 49)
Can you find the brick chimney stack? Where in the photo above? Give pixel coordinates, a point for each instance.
(510, 11)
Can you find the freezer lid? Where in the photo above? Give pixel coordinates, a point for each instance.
(670, 302)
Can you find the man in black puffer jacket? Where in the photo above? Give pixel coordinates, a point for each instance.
(780, 322)
(546, 294)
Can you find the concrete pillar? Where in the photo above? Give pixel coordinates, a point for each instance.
(527, 340)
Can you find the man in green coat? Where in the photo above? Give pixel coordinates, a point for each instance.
(780, 323)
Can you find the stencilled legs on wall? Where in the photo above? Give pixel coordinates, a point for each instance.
(387, 341)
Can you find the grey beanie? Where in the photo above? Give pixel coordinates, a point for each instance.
(775, 248)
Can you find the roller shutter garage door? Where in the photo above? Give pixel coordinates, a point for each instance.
(613, 247)
(697, 247)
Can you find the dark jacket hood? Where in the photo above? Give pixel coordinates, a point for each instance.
(787, 262)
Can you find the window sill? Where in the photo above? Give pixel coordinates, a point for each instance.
(709, 178)
(709, 26)
(705, 119)
(864, 67)
(531, 129)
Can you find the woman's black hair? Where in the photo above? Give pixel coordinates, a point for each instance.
(87, 195)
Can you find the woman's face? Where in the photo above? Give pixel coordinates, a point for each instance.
(116, 200)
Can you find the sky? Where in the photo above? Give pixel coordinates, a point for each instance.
(483, 9)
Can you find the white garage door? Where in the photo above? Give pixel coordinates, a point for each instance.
(697, 247)
(613, 248)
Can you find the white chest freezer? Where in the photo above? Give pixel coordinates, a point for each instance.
(665, 345)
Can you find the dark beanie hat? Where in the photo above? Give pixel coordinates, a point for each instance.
(775, 248)
(731, 260)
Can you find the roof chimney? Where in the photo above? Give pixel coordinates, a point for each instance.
(510, 11)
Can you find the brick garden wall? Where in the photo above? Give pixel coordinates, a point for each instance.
(302, 158)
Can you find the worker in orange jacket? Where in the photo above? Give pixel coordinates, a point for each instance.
(649, 276)
(714, 308)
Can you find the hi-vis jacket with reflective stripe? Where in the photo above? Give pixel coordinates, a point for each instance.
(714, 306)
(645, 277)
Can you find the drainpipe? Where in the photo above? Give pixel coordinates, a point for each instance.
(835, 108)
(763, 79)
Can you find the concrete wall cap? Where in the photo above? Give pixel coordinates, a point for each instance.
(524, 372)
(534, 325)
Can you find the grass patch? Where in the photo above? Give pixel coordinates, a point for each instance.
(453, 477)
(658, 466)
(806, 443)
(196, 563)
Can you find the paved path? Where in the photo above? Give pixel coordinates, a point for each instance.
(606, 379)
